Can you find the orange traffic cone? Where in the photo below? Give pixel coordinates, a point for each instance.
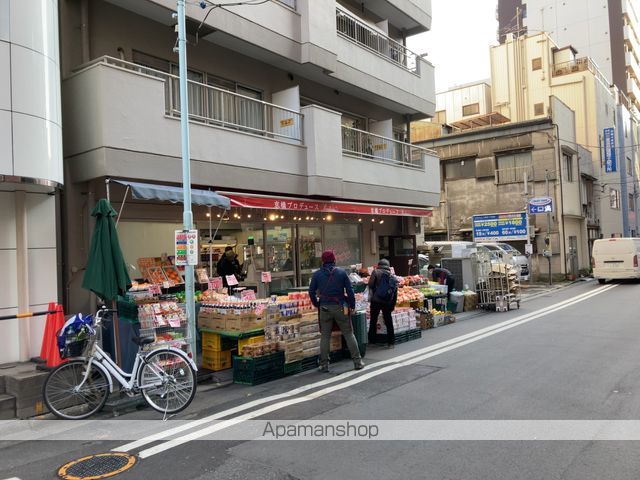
(48, 326)
(53, 354)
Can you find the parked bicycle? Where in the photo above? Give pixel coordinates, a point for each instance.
(79, 387)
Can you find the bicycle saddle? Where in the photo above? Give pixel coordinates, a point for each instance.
(140, 341)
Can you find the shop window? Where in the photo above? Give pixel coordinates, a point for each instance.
(345, 241)
(538, 109)
(513, 167)
(536, 63)
(471, 109)
(614, 199)
(567, 161)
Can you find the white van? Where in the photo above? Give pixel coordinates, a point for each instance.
(615, 259)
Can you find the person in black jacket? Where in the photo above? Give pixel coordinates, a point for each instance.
(443, 277)
(229, 265)
(377, 306)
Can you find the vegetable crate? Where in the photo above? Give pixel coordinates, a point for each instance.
(215, 361)
(293, 367)
(254, 371)
(216, 342)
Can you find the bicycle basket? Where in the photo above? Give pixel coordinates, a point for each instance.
(74, 336)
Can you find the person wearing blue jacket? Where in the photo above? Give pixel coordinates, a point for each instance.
(331, 293)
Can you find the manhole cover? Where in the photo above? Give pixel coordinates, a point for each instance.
(98, 466)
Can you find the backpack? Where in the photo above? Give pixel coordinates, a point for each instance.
(385, 289)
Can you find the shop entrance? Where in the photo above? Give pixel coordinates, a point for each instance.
(402, 253)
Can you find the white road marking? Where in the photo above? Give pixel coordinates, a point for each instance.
(240, 408)
(395, 364)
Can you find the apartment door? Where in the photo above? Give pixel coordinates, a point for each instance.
(573, 256)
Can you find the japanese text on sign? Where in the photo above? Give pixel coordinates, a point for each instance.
(500, 227)
(215, 283)
(186, 243)
(610, 164)
(266, 277)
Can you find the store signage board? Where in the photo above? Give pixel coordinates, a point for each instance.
(610, 162)
(231, 280)
(215, 283)
(302, 205)
(248, 294)
(500, 227)
(186, 243)
(266, 277)
(540, 205)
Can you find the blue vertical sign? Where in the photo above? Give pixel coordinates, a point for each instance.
(610, 151)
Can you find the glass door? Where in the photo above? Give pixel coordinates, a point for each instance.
(280, 257)
(309, 253)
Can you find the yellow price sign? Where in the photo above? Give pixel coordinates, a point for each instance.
(287, 122)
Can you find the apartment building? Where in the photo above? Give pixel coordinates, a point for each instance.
(528, 70)
(299, 113)
(498, 169)
(607, 31)
(30, 170)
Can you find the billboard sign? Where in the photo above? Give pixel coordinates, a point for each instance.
(500, 227)
(540, 205)
(610, 164)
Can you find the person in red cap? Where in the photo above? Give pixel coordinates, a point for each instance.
(331, 293)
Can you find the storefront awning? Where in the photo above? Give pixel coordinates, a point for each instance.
(305, 205)
(149, 191)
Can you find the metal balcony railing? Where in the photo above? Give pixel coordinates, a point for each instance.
(370, 146)
(579, 65)
(513, 174)
(215, 106)
(355, 30)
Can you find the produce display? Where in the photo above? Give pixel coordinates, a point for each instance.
(173, 275)
(409, 294)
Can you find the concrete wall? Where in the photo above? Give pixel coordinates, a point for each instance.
(31, 151)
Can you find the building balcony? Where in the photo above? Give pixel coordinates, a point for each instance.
(579, 65)
(632, 65)
(309, 39)
(412, 16)
(631, 39)
(122, 121)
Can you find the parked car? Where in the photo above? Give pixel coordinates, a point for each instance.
(511, 255)
(615, 259)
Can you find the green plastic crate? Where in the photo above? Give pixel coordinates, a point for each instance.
(254, 371)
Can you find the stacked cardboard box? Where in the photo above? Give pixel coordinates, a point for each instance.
(310, 334)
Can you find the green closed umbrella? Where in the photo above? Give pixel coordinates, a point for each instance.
(106, 273)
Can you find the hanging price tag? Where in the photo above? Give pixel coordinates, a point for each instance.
(393, 271)
(248, 294)
(166, 284)
(260, 308)
(215, 283)
(231, 280)
(266, 277)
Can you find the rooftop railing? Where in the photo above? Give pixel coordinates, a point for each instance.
(374, 147)
(579, 65)
(215, 106)
(356, 30)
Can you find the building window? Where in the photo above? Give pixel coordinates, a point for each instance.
(440, 117)
(632, 203)
(536, 63)
(512, 167)
(629, 167)
(471, 109)
(457, 169)
(614, 199)
(538, 109)
(567, 161)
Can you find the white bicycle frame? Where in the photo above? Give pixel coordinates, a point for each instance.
(129, 381)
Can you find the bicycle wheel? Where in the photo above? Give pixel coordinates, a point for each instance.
(167, 381)
(62, 399)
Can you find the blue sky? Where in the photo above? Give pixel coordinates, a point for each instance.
(458, 43)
